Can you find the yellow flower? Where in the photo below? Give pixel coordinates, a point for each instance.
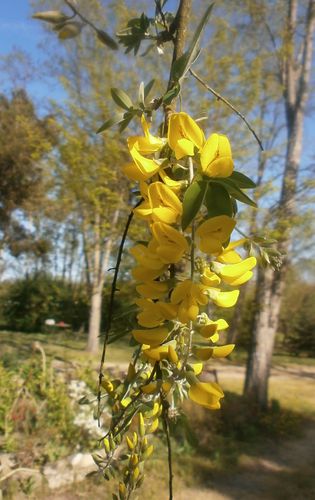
(184, 135)
(162, 204)
(152, 337)
(152, 289)
(170, 243)
(209, 278)
(209, 330)
(223, 299)
(145, 256)
(141, 273)
(173, 185)
(236, 274)
(188, 296)
(142, 168)
(165, 351)
(154, 313)
(228, 254)
(214, 232)
(197, 366)
(207, 394)
(216, 156)
(147, 144)
(205, 353)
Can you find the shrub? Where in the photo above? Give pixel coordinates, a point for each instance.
(31, 300)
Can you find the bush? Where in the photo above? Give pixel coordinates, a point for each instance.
(37, 406)
(28, 302)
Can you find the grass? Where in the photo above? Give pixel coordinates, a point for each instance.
(63, 346)
(239, 356)
(208, 444)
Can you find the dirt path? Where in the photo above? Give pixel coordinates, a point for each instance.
(284, 472)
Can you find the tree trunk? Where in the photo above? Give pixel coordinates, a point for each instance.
(95, 319)
(101, 263)
(270, 284)
(267, 306)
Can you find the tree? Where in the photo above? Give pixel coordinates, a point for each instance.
(295, 80)
(25, 140)
(89, 165)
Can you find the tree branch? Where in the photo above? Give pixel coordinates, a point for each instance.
(77, 13)
(229, 105)
(303, 84)
(181, 23)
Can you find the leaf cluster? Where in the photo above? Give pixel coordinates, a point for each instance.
(218, 195)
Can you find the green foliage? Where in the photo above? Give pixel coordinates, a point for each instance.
(26, 303)
(31, 300)
(24, 140)
(59, 414)
(36, 402)
(297, 319)
(182, 65)
(7, 395)
(219, 196)
(218, 201)
(192, 202)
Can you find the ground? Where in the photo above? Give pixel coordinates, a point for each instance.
(275, 468)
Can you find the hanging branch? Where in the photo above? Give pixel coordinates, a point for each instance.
(166, 428)
(111, 307)
(229, 105)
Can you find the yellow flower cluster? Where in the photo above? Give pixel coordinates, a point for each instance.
(170, 307)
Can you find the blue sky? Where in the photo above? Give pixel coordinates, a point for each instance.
(19, 31)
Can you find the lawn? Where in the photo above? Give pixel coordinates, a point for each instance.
(218, 455)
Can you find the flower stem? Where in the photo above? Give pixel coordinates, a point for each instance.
(169, 451)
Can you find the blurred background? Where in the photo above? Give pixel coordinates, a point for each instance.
(63, 205)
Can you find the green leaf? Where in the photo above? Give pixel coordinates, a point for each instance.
(171, 94)
(183, 64)
(109, 123)
(107, 40)
(235, 191)
(125, 122)
(121, 98)
(148, 49)
(148, 88)
(242, 180)
(179, 66)
(218, 201)
(234, 206)
(141, 93)
(193, 199)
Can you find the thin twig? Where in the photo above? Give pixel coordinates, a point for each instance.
(77, 13)
(111, 307)
(192, 249)
(169, 451)
(20, 469)
(229, 105)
